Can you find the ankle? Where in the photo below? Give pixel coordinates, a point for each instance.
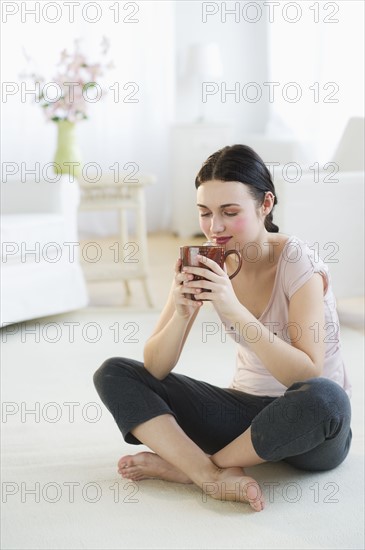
(208, 474)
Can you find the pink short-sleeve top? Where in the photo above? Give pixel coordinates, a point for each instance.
(296, 265)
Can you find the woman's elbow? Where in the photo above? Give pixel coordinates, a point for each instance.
(150, 366)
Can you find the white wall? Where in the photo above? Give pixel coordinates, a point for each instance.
(323, 52)
(243, 48)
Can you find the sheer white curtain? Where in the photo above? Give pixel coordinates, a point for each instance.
(318, 59)
(141, 35)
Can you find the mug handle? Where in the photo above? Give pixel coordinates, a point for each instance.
(239, 261)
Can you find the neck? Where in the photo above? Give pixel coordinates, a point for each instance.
(261, 254)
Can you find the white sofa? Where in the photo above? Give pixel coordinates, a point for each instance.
(330, 213)
(40, 272)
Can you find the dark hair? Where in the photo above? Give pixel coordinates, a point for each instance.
(241, 163)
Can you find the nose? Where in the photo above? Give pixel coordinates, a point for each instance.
(216, 225)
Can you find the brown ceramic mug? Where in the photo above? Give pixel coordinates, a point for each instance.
(188, 255)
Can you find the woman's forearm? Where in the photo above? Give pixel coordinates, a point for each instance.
(285, 362)
(162, 350)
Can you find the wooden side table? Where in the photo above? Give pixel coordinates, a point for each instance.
(131, 258)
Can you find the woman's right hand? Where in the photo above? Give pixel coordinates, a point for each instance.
(185, 306)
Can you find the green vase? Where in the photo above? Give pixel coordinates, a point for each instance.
(67, 150)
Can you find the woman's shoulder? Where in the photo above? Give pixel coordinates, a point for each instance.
(295, 249)
(298, 262)
(288, 247)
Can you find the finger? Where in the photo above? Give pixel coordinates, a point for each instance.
(191, 286)
(184, 290)
(190, 302)
(206, 296)
(204, 272)
(178, 265)
(183, 277)
(211, 264)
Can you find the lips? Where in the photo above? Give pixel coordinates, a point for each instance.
(222, 240)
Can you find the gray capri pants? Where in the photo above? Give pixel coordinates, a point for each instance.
(308, 426)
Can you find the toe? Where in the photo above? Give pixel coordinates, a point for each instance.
(133, 477)
(254, 496)
(257, 506)
(126, 474)
(124, 461)
(121, 464)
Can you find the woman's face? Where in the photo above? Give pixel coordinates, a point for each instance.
(228, 213)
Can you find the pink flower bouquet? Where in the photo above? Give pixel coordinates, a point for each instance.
(68, 94)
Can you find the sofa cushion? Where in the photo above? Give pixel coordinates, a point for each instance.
(40, 289)
(28, 237)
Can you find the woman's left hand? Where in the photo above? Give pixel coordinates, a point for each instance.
(218, 283)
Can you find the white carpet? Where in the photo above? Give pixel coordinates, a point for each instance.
(69, 462)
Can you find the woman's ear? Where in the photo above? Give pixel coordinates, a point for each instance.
(268, 203)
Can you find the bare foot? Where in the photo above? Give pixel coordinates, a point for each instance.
(146, 465)
(232, 484)
(226, 484)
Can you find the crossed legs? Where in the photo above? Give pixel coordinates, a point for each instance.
(206, 435)
(177, 458)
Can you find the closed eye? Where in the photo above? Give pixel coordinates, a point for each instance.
(230, 214)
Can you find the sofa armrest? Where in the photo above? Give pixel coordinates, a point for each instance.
(330, 217)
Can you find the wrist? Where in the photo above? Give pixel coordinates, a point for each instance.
(182, 319)
(236, 313)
